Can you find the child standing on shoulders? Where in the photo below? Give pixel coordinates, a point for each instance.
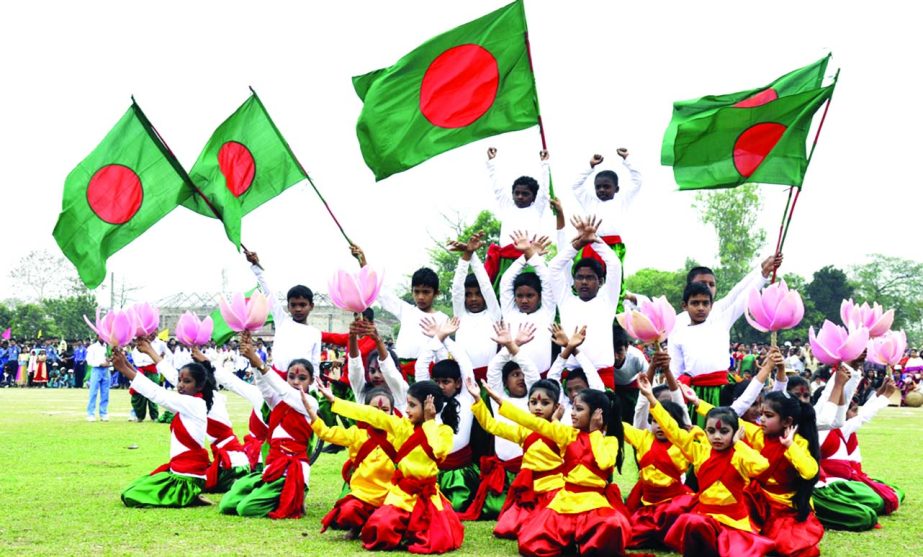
(178, 483)
(415, 514)
(279, 490)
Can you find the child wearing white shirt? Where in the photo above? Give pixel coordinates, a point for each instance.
(475, 303)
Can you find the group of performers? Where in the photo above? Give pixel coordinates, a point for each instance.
(523, 417)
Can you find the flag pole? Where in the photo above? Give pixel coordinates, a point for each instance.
(303, 171)
(807, 164)
(781, 228)
(541, 125)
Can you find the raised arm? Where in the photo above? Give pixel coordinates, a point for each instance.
(613, 284)
(487, 289)
(586, 193)
(561, 434)
(367, 414)
(278, 314)
(631, 191)
(504, 198)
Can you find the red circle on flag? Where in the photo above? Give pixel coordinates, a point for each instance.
(459, 86)
(238, 166)
(115, 193)
(758, 99)
(754, 144)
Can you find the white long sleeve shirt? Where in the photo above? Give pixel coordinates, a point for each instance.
(613, 212)
(475, 329)
(538, 351)
(597, 314)
(513, 218)
(505, 449)
(735, 299)
(410, 338)
(393, 379)
(292, 340)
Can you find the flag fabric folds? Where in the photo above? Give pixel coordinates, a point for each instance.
(469, 83)
(128, 183)
(245, 163)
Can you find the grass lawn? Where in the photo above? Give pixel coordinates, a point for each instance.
(61, 479)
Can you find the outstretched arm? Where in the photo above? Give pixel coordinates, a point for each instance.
(278, 314)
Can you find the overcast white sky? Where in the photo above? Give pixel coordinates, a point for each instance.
(607, 73)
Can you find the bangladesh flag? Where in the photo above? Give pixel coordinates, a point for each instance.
(734, 145)
(803, 79)
(129, 182)
(246, 163)
(222, 333)
(472, 82)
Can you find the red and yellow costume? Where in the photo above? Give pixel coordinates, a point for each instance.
(718, 522)
(414, 510)
(368, 471)
(537, 474)
(660, 496)
(588, 511)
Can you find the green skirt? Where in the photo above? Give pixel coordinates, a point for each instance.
(164, 489)
(493, 503)
(847, 505)
(711, 395)
(227, 477)
(252, 497)
(459, 485)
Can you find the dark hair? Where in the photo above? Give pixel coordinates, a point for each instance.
(803, 417)
(659, 389)
(550, 386)
(447, 407)
(576, 373)
(695, 271)
(368, 314)
(424, 276)
(593, 265)
(204, 379)
(528, 279)
(471, 281)
(527, 181)
(675, 411)
(796, 381)
(696, 289)
(508, 368)
(375, 356)
(370, 393)
(300, 291)
(731, 392)
(619, 337)
(446, 369)
(307, 365)
(608, 175)
(612, 417)
(724, 413)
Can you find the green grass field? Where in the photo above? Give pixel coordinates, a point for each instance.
(61, 479)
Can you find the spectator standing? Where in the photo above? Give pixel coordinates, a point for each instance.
(98, 360)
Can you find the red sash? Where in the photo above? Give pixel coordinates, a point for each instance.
(522, 490)
(494, 254)
(221, 432)
(146, 370)
(417, 439)
(423, 488)
(780, 469)
(580, 452)
(712, 379)
(377, 438)
(589, 252)
(253, 441)
(192, 462)
(459, 459)
(658, 457)
(718, 468)
(493, 480)
(285, 458)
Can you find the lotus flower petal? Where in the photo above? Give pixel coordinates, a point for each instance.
(756, 310)
(789, 312)
(888, 349)
(257, 310)
(775, 308)
(640, 327)
(235, 313)
(819, 344)
(147, 319)
(854, 344)
(354, 292)
(189, 330)
(206, 327)
(123, 328)
(754, 323)
(882, 324)
(848, 312)
(622, 318)
(94, 326)
(369, 284)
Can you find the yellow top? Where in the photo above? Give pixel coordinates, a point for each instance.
(605, 451)
(798, 454)
(417, 464)
(538, 458)
(746, 461)
(642, 440)
(371, 480)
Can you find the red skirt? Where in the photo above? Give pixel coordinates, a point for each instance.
(780, 524)
(649, 524)
(389, 527)
(516, 512)
(602, 531)
(349, 513)
(700, 535)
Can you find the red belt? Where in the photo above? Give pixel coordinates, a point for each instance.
(459, 459)
(713, 379)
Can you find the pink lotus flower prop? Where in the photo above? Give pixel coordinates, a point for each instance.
(146, 319)
(873, 318)
(116, 328)
(888, 349)
(775, 308)
(354, 292)
(652, 322)
(244, 314)
(192, 332)
(834, 344)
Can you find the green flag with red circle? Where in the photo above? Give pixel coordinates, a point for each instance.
(245, 163)
(469, 83)
(128, 183)
(731, 146)
(798, 81)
